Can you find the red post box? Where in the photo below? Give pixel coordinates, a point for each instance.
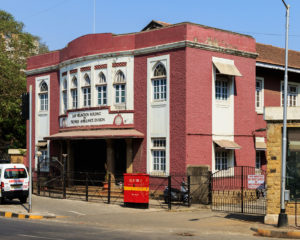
(136, 188)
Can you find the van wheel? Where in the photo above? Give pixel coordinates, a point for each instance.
(23, 199)
(1, 200)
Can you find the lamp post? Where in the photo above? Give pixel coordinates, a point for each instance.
(282, 218)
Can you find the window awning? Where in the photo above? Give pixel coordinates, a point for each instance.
(227, 68)
(227, 144)
(260, 144)
(41, 144)
(96, 134)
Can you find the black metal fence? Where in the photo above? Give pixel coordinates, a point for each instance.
(239, 189)
(167, 192)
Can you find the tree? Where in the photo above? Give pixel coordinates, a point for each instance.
(15, 46)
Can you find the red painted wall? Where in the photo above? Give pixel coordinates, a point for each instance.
(244, 112)
(220, 38)
(199, 107)
(177, 108)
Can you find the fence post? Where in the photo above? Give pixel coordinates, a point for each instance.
(64, 176)
(210, 187)
(86, 187)
(189, 190)
(169, 193)
(109, 187)
(38, 178)
(242, 190)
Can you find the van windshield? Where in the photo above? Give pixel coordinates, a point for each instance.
(13, 173)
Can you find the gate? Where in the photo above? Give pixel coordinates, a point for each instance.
(239, 189)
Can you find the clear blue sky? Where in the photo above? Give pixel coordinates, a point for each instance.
(58, 22)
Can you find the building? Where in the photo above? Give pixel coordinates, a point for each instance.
(270, 76)
(154, 101)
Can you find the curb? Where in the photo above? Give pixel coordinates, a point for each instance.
(276, 234)
(24, 216)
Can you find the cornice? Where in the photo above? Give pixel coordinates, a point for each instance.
(143, 51)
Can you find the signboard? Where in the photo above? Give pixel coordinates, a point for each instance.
(256, 181)
(95, 117)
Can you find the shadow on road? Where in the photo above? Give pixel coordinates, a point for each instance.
(14, 202)
(245, 217)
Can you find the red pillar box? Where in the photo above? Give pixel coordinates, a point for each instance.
(136, 189)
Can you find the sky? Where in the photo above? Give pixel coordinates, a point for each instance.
(58, 22)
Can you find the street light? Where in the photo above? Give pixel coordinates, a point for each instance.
(282, 218)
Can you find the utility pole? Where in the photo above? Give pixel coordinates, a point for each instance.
(30, 149)
(282, 218)
(94, 25)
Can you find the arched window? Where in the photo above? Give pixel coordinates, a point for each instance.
(65, 84)
(86, 91)
(74, 93)
(102, 90)
(65, 95)
(160, 70)
(87, 80)
(102, 78)
(74, 82)
(159, 83)
(43, 87)
(120, 88)
(43, 94)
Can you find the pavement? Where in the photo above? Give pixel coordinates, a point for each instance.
(181, 220)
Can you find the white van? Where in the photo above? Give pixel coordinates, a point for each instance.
(14, 182)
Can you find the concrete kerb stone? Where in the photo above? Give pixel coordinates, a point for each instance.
(25, 216)
(276, 234)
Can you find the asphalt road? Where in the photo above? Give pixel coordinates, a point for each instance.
(12, 229)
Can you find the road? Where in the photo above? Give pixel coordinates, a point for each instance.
(11, 229)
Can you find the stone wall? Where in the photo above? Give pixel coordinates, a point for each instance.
(200, 178)
(274, 146)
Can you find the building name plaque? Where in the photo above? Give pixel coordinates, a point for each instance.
(94, 117)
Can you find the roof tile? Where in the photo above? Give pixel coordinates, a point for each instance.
(276, 55)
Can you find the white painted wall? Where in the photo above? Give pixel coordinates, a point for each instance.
(158, 113)
(94, 74)
(42, 118)
(222, 115)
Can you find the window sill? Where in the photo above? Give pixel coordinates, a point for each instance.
(43, 112)
(120, 106)
(158, 174)
(159, 103)
(259, 111)
(223, 104)
(224, 173)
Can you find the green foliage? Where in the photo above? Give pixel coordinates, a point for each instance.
(15, 46)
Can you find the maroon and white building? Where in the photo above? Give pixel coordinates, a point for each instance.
(154, 101)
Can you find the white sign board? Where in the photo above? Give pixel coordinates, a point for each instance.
(256, 181)
(96, 117)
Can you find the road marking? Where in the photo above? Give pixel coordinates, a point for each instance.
(31, 236)
(77, 213)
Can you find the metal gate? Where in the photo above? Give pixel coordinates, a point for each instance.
(239, 189)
